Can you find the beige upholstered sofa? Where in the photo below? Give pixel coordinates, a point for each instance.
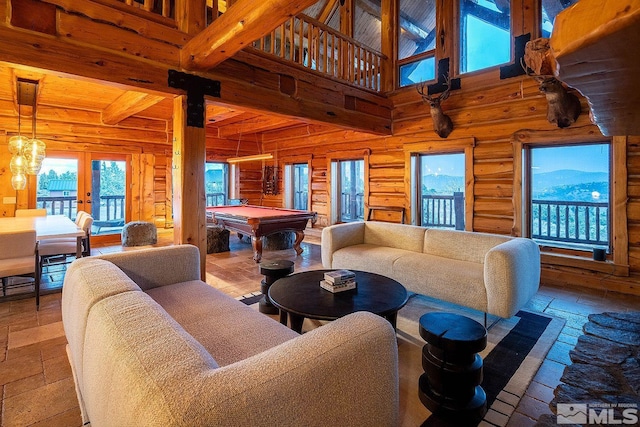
(152, 345)
(491, 273)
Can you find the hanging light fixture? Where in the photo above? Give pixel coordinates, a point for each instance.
(34, 149)
(27, 153)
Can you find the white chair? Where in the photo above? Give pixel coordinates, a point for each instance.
(19, 257)
(66, 246)
(79, 216)
(31, 212)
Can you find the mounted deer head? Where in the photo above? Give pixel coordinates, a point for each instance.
(563, 108)
(442, 124)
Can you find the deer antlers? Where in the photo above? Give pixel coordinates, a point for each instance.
(437, 100)
(442, 124)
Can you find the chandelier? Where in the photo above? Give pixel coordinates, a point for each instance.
(27, 154)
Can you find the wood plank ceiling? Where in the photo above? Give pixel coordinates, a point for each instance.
(66, 102)
(69, 102)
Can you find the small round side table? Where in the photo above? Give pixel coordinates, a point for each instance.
(272, 271)
(450, 386)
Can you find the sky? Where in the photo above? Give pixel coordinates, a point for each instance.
(588, 158)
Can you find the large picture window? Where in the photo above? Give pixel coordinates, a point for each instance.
(568, 200)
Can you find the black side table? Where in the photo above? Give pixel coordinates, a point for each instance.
(450, 387)
(272, 271)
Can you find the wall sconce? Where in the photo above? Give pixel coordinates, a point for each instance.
(27, 153)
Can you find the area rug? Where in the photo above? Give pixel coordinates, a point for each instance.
(515, 350)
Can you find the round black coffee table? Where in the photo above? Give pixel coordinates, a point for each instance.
(299, 295)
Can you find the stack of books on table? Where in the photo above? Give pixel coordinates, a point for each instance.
(338, 281)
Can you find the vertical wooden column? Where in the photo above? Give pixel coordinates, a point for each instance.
(390, 11)
(189, 222)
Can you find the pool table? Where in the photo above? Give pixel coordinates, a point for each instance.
(259, 221)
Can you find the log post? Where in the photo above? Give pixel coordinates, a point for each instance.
(188, 182)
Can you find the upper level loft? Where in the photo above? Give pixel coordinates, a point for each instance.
(369, 47)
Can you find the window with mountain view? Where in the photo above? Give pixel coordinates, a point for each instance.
(569, 189)
(485, 34)
(215, 183)
(440, 201)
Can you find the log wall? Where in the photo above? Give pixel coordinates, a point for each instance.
(493, 114)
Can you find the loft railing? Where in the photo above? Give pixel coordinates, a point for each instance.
(164, 8)
(443, 211)
(570, 222)
(301, 40)
(318, 47)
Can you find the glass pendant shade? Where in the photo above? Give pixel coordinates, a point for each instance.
(17, 143)
(18, 164)
(19, 181)
(34, 153)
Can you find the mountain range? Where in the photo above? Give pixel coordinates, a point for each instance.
(565, 184)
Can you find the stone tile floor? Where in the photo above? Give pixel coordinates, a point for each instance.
(37, 384)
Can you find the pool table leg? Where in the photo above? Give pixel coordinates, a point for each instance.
(296, 244)
(256, 242)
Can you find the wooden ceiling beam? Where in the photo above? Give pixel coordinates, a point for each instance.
(128, 104)
(244, 22)
(327, 11)
(216, 114)
(255, 125)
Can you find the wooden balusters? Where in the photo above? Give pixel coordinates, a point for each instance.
(318, 47)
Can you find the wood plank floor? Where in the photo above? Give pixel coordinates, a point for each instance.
(37, 386)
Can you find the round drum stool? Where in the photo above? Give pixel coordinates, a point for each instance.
(450, 387)
(139, 233)
(272, 271)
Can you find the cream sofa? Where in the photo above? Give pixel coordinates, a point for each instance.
(152, 345)
(491, 273)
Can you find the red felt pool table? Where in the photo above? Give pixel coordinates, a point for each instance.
(259, 221)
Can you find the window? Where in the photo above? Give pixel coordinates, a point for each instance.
(549, 11)
(440, 197)
(300, 186)
(215, 183)
(485, 34)
(416, 41)
(418, 71)
(568, 195)
(349, 185)
(297, 186)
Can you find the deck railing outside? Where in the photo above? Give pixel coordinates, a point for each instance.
(316, 46)
(443, 210)
(300, 200)
(109, 216)
(352, 207)
(215, 199)
(570, 222)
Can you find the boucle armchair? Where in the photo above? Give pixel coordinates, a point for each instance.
(151, 344)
